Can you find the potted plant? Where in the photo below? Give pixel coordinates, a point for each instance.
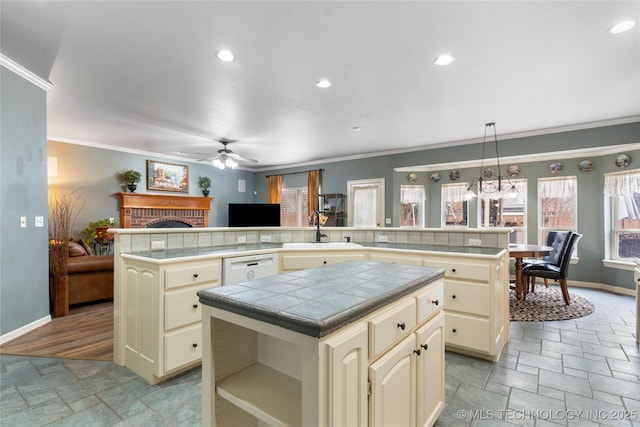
(97, 230)
(204, 182)
(131, 178)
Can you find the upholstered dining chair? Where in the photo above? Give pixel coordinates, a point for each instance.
(558, 240)
(557, 272)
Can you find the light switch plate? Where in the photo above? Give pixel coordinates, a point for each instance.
(23, 222)
(39, 221)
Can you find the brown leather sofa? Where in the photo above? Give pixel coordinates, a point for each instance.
(90, 276)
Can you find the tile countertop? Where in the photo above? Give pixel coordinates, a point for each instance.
(239, 249)
(321, 300)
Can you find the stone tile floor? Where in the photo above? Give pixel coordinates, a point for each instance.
(582, 372)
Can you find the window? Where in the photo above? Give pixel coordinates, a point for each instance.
(498, 210)
(455, 209)
(557, 205)
(412, 198)
(622, 195)
(293, 207)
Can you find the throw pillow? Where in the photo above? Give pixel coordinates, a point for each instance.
(86, 247)
(76, 249)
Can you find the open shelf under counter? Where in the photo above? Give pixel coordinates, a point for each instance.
(265, 393)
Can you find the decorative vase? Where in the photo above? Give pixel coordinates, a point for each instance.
(102, 235)
(59, 294)
(205, 193)
(132, 188)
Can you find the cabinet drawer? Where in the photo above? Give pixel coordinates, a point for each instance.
(430, 301)
(471, 298)
(395, 258)
(193, 274)
(182, 307)
(390, 326)
(461, 270)
(183, 347)
(467, 331)
(303, 261)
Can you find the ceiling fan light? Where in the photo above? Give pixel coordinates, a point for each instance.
(217, 163)
(230, 163)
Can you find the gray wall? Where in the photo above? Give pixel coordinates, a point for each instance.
(91, 173)
(24, 285)
(590, 185)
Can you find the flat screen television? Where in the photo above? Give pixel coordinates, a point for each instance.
(254, 214)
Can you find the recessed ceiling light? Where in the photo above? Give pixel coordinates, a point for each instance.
(445, 59)
(622, 27)
(225, 55)
(355, 128)
(323, 83)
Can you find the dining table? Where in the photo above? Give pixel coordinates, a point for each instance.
(519, 252)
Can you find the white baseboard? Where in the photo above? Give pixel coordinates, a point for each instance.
(23, 330)
(609, 288)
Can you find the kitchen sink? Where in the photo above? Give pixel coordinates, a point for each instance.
(321, 245)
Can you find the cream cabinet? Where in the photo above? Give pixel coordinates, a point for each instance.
(476, 303)
(395, 354)
(476, 298)
(303, 259)
(159, 315)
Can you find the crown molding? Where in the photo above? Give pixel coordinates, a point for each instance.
(10, 64)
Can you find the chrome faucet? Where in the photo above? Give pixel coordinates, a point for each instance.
(319, 235)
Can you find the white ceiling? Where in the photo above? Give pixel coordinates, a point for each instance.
(144, 76)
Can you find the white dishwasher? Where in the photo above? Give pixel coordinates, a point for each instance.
(244, 268)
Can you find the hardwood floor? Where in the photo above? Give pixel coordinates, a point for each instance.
(85, 333)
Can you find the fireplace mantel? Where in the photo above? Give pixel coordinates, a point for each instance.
(139, 210)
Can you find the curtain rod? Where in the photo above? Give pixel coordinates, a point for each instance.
(294, 173)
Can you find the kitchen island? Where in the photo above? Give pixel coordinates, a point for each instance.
(356, 343)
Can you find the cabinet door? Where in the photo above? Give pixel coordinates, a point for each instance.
(430, 371)
(347, 378)
(393, 382)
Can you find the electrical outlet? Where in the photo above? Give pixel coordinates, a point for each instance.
(265, 239)
(23, 222)
(157, 244)
(383, 239)
(39, 221)
(475, 242)
(242, 239)
(387, 221)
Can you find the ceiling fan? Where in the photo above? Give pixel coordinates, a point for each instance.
(227, 158)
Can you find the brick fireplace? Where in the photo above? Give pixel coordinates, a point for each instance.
(139, 210)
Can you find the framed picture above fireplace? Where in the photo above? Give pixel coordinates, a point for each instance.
(167, 176)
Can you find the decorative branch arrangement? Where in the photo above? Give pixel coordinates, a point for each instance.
(61, 218)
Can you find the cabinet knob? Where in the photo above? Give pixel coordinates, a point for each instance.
(195, 344)
(402, 325)
(195, 275)
(425, 346)
(324, 262)
(453, 270)
(417, 352)
(434, 302)
(454, 330)
(453, 296)
(195, 305)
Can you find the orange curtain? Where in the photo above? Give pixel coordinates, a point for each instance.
(313, 190)
(274, 188)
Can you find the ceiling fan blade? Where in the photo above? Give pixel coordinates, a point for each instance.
(239, 157)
